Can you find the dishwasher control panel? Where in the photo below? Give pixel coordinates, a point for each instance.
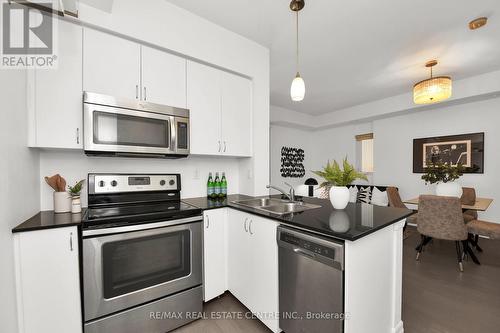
(308, 245)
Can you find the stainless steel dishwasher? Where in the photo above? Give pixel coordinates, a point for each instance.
(311, 282)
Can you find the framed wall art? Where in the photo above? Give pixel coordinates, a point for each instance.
(467, 149)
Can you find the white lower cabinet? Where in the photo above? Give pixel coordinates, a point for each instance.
(48, 281)
(253, 264)
(214, 253)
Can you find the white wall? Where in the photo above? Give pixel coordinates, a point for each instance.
(19, 190)
(337, 143)
(393, 139)
(74, 166)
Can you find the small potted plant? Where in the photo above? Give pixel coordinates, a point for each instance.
(445, 175)
(338, 179)
(74, 191)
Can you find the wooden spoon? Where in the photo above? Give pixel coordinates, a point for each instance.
(62, 188)
(52, 181)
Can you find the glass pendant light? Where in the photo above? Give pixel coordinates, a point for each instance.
(298, 87)
(432, 90)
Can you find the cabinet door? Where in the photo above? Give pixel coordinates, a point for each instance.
(163, 78)
(111, 65)
(48, 281)
(203, 101)
(264, 269)
(214, 254)
(236, 115)
(57, 94)
(239, 280)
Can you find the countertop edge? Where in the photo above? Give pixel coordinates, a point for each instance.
(35, 222)
(313, 230)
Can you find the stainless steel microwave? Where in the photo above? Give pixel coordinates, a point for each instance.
(121, 127)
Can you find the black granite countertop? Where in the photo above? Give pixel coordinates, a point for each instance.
(355, 221)
(48, 219)
(206, 204)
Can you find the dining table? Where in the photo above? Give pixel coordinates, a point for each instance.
(481, 205)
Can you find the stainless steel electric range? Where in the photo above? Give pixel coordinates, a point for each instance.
(142, 254)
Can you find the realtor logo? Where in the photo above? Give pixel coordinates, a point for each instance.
(27, 36)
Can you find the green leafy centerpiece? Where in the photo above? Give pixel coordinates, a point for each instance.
(445, 175)
(338, 178)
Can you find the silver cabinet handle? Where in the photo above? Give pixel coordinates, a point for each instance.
(245, 224)
(136, 91)
(71, 241)
(77, 136)
(208, 221)
(144, 93)
(250, 227)
(224, 146)
(219, 146)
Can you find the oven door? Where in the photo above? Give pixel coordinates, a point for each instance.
(110, 129)
(131, 268)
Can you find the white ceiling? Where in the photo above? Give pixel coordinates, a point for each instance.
(358, 51)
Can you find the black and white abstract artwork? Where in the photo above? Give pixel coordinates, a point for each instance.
(466, 149)
(292, 165)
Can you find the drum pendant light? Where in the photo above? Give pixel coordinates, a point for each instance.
(298, 87)
(432, 90)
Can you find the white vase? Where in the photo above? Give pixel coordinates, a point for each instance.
(450, 189)
(339, 197)
(62, 202)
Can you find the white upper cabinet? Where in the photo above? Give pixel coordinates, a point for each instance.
(220, 107)
(214, 253)
(55, 95)
(163, 78)
(48, 281)
(111, 65)
(204, 104)
(236, 115)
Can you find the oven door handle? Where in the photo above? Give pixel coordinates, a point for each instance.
(139, 227)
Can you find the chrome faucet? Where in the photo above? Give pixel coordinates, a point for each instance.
(290, 195)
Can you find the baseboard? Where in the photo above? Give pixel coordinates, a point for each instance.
(399, 328)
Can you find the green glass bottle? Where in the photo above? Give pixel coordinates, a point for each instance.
(223, 186)
(210, 186)
(217, 185)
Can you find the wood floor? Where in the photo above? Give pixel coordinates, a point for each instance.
(437, 298)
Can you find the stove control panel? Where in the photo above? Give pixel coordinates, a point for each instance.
(109, 183)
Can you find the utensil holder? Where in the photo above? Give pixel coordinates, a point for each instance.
(62, 202)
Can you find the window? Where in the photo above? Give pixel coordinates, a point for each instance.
(365, 151)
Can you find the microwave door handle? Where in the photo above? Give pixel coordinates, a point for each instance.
(173, 135)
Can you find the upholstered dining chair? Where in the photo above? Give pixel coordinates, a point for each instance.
(395, 201)
(469, 198)
(441, 218)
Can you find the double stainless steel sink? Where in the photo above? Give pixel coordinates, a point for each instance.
(276, 206)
